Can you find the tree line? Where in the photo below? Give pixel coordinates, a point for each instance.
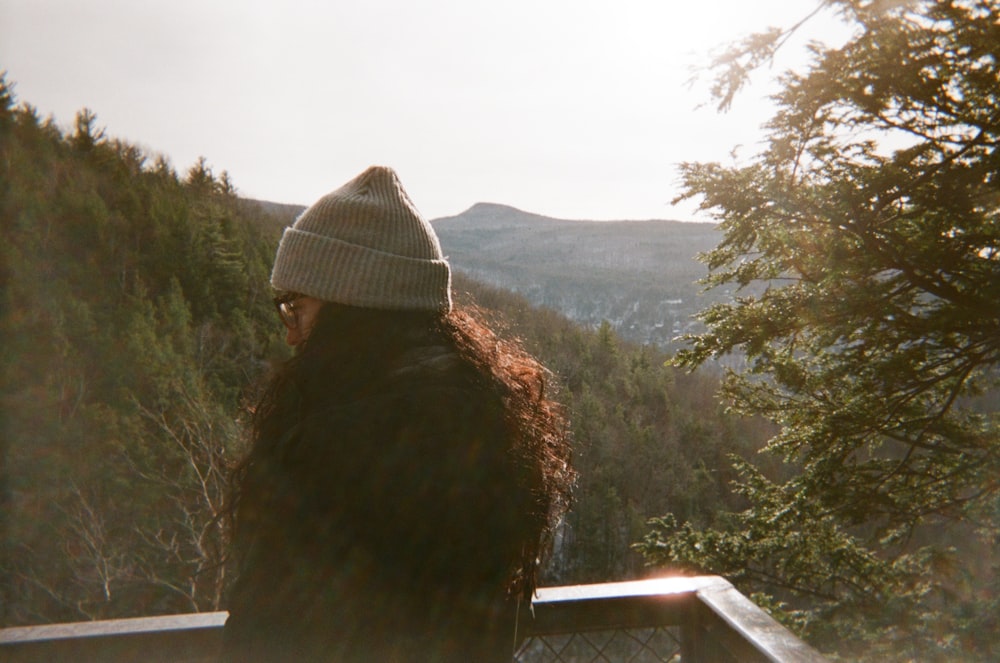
(135, 311)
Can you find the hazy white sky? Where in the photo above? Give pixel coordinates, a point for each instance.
(570, 108)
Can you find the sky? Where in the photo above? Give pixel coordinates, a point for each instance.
(575, 109)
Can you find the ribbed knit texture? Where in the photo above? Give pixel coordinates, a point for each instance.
(365, 245)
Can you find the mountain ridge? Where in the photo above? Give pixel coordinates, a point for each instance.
(500, 211)
(639, 275)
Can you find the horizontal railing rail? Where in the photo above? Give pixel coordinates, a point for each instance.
(192, 638)
(689, 619)
(696, 619)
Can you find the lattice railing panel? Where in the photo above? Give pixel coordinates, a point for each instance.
(646, 645)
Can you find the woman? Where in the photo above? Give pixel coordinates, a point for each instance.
(406, 465)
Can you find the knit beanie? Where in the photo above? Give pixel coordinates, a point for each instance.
(365, 245)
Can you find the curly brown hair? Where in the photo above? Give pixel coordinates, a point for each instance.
(349, 345)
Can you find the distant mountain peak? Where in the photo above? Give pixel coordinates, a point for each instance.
(494, 215)
(488, 208)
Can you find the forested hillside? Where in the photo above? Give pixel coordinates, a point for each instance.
(136, 318)
(640, 276)
(135, 311)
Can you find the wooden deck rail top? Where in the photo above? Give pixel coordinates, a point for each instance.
(717, 623)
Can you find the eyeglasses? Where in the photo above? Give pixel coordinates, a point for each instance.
(286, 309)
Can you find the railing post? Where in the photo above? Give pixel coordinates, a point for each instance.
(691, 640)
(698, 642)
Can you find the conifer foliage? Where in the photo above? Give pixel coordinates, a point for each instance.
(135, 311)
(872, 223)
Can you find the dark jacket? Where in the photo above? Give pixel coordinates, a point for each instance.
(383, 524)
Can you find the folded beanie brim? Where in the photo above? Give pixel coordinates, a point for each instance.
(336, 271)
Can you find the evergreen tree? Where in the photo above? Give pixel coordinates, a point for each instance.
(87, 135)
(8, 101)
(130, 330)
(872, 221)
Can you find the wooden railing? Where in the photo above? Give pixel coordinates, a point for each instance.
(697, 619)
(689, 619)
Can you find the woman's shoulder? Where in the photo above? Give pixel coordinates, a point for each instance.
(436, 362)
(428, 382)
(439, 380)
